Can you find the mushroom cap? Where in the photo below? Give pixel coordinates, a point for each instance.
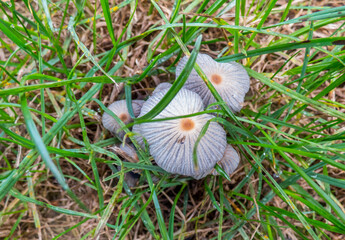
(230, 80)
(161, 86)
(171, 142)
(119, 108)
(229, 162)
(129, 150)
(136, 129)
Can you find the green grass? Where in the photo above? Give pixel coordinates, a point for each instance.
(290, 134)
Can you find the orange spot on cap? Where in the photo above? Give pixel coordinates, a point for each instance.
(187, 124)
(216, 79)
(124, 117)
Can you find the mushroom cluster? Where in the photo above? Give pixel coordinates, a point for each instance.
(173, 143)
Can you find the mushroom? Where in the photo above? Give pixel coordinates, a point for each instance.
(138, 135)
(171, 142)
(229, 162)
(136, 127)
(119, 108)
(127, 152)
(161, 86)
(229, 79)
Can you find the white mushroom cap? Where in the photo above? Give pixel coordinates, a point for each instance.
(230, 80)
(171, 142)
(229, 162)
(161, 86)
(119, 108)
(136, 129)
(130, 151)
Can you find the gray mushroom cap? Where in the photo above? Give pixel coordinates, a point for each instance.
(161, 86)
(136, 129)
(171, 142)
(129, 150)
(119, 108)
(229, 162)
(230, 80)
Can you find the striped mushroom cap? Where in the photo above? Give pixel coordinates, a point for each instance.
(119, 108)
(161, 86)
(229, 162)
(229, 79)
(136, 128)
(128, 149)
(171, 142)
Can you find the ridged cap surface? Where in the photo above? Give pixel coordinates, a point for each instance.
(230, 160)
(230, 80)
(161, 86)
(119, 108)
(171, 142)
